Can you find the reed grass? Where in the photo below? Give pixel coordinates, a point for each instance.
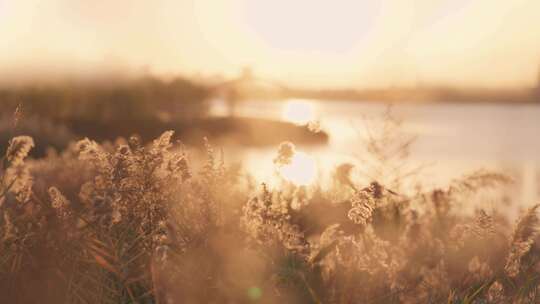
(127, 223)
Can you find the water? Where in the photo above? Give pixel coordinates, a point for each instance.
(452, 139)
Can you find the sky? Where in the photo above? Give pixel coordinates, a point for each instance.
(311, 43)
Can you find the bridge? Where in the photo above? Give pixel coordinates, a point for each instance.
(246, 86)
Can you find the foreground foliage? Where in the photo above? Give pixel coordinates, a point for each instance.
(126, 223)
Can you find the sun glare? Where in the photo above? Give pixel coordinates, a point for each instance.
(298, 112)
(322, 26)
(301, 171)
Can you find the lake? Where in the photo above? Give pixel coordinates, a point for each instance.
(451, 139)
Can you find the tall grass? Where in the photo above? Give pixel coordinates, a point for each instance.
(127, 223)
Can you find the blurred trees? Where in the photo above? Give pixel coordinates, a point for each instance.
(106, 100)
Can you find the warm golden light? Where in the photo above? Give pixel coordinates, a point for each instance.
(302, 25)
(298, 112)
(314, 43)
(301, 170)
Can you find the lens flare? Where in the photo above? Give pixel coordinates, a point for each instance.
(301, 171)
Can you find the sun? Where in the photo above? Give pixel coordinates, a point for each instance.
(301, 171)
(323, 26)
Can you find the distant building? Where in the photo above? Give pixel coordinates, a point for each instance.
(247, 74)
(234, 90)
(244, 87)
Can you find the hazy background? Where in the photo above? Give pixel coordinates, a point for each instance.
(490, 43)
(463, 75)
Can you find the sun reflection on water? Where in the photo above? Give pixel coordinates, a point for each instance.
(301, 171)
(299, 112)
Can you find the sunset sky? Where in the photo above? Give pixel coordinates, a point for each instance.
(362, 43)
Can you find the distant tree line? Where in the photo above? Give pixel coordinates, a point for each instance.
(106, 100)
